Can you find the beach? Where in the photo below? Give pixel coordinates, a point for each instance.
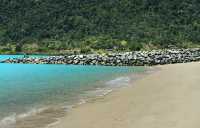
(33, 96)
(167, 98)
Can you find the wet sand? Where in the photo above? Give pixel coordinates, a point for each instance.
(168, 98)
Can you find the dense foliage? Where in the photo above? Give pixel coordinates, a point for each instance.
(45, 25)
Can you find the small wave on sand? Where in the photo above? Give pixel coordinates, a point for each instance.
(35, 118)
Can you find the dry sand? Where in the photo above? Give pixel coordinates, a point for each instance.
(169, 98)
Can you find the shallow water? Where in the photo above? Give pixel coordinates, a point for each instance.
(26, 88)
(3, 57)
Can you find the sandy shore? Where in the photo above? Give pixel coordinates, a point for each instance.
(169, 98)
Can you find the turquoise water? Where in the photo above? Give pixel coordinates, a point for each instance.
(3, 57)
(27, 86)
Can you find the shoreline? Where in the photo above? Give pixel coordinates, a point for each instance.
(51, 114)
(165, 98)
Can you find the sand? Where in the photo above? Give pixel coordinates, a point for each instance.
(168, 98)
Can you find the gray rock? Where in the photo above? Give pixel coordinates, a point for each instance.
(138, 58)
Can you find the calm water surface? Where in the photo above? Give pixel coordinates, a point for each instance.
(27, 86)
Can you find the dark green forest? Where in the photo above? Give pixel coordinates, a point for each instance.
(89, 25)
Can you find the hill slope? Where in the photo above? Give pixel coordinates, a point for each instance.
(43, 25)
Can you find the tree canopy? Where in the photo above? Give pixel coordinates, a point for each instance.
(69, 24)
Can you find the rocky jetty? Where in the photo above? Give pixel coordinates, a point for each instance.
(135, 58)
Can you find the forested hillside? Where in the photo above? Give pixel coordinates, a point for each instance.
(56, 25)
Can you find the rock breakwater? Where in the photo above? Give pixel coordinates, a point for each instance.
(135, 58)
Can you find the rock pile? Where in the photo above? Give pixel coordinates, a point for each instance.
(135, 58)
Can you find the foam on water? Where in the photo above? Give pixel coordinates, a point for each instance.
(120, 81)
(34, 118)
(54, 113)
(8, 122)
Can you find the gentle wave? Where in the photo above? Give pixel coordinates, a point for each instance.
(119, 82)
(50, 115)
(8, 122)
(14, 120)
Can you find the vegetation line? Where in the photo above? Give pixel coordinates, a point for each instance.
(63, 26)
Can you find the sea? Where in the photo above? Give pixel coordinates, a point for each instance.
(38, 95)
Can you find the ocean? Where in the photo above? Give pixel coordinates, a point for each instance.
(36, 95)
